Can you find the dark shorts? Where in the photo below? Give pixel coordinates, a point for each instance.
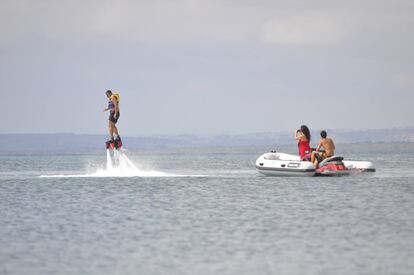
(320, 156)
(114, 118)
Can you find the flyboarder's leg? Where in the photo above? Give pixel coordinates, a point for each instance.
(109, 143)
(115, 130)
(116, 117)
(118, 142)
(111, 126)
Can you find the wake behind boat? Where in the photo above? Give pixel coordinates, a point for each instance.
(281, 164)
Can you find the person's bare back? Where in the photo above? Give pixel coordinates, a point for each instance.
(329, 149)
(328, 145)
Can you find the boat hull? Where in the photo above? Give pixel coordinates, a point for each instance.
(285, 172)
(285, 165)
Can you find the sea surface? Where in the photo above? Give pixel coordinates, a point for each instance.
(204, 211)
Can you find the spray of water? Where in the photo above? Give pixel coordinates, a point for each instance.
(109, 165)
(118, 164)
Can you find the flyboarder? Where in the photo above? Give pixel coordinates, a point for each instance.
(114, 113)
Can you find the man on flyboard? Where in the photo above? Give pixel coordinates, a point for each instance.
(114, 113)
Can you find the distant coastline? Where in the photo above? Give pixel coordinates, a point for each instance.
(80, 142)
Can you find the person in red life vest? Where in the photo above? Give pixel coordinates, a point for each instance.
(303, 137)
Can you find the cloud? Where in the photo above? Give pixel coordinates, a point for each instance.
(23, 21)
(172, 22)
(403, 80)
(154, 22)
(306, 28)
(197, 22)
(228, 56)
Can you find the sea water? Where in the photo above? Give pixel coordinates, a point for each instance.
(204, 211)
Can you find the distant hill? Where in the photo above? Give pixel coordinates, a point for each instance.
(77, 142)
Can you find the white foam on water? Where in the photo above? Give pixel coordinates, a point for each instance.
(119, 165)
(108, 160)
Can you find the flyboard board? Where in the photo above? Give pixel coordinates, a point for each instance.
(113, 150)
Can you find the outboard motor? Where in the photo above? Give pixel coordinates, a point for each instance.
(332, 166)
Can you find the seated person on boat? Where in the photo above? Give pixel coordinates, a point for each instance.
(328, 149)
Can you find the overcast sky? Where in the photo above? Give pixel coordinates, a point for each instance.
(206, 66)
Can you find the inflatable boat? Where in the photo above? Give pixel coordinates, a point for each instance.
(281, 164)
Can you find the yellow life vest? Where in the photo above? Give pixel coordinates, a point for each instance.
(117, 96)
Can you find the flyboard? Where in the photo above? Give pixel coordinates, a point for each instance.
(114, 153)
(114, 144)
